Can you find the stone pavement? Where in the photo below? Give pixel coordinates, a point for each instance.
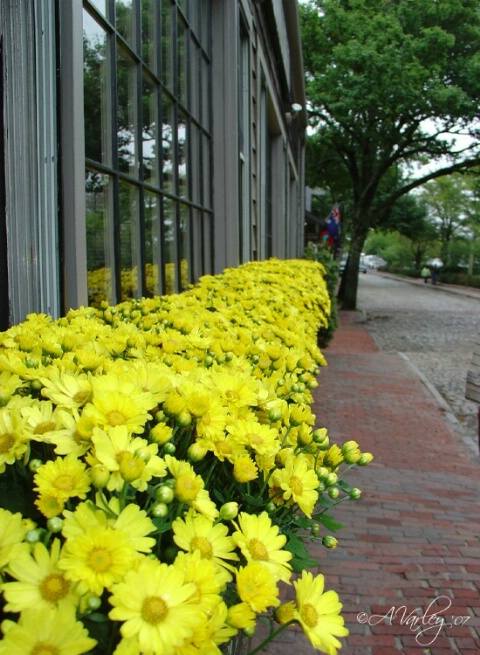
(407, 567)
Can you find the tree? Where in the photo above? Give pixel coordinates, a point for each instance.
(390, 82)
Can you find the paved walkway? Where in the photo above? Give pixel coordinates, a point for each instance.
(411, 545)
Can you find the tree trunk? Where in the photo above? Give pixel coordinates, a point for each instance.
(347, 293)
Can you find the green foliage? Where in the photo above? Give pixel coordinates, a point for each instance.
(325, 257)
(377, 73)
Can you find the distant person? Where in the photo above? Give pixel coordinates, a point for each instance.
(434, 274)
(425, 273)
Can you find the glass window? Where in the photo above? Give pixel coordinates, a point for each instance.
(100, 258)
(153, 240)
(145, 181)
(129, 241)
(149, 132)
(97, 102)
(127, 117)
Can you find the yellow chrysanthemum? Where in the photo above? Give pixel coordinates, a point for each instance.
(39, 581)
(129, 459)
(211, 424)
(50, 506)
(132, 522)
(212, 631)
(41, 420)
(257, 587)
(333, 457)
(65, 389)
(63, 478)
(241, 616)
(298, 482)
(71, 439)
(189, 487)
(223, 446)
(154, 604)
(237, 390)
(97, 559)
(42, 631)
(197, 532)
(12, 531)
(244, 469)
(260, 438)
(209, 580)
(318, 613)
(14, 442)
(110, 409)
(259, 540)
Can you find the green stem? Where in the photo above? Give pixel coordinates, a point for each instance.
(271, 637)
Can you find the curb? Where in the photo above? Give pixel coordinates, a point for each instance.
(460, 291)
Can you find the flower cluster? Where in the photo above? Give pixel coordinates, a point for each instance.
(160, 471)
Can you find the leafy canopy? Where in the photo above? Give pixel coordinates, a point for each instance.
(390, 83)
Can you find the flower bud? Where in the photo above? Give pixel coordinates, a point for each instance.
(94, 603)
(33, 536)
(100, 476)
(34, 465)
(329, 542)
(159, 510)
(365, 459)
(164, 494)
(55, 524)
(196, 452)
(333, 492)
(315, 529)
(229, 511)
(355, 493)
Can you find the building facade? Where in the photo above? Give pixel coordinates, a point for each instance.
(145, 143)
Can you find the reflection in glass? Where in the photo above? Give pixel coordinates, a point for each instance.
(100, 5)
(129, 241)
(125, 21)
(149, 132)
(182, 156)
(169, 208)
(96, 98)
(167, 44)
(126, 113)
(168, 151)
(152, 244)
(98, 200)
(196, 163)
(182, 62)
(148, 34)
(184, 245)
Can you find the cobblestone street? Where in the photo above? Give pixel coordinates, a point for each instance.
(434, 328)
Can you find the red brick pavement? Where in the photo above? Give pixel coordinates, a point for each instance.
(411, 545)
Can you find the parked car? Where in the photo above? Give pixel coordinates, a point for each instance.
(362, 267)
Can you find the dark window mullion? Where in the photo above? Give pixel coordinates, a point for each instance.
(176, 91)
(117, 273)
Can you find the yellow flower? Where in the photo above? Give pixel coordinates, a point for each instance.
(244, 469)
(286, 613)
(129, 459)
(298, 482)
(14, 442)
(259, 540)
(97, 559)
(257, 587)
(333, 457)
(110, 409)
(211, 632)
(237, 390)
(154, 604)
(223, 446)
(241, 616)
(318, 613)
(132, 522)
(12, 531)
(189, 487)
(209, 579)
(41, 631)
(211, 424)
(260, 438)
(41, 420)
(63, 478)
(50, 506)
(39, 581)
(197, 532)
(65, 389)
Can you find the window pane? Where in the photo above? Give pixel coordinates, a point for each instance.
(169, 208)
(182, 156)
(152, 244)
(149, 35)
(97, 102)
(205, 94)
(129, 241)
(168, 152)
(98, 198)
(126, 114)
(125, 21)
(149, 132)
(182, 62)
(195, 81)
(196, 164)
(100, 5)
(206, 168)
(184, 243)
(167, 44)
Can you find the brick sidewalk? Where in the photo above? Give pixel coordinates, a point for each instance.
(413, 540)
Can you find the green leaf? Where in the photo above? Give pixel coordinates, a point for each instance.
(330, 523)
